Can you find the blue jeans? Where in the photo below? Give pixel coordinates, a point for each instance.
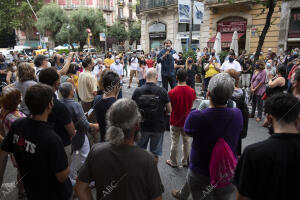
(156, 142)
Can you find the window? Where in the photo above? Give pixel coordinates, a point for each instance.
(108, 3)
(108, 19)
(294, 30)
(120, 12)
(82, 2)
(130, 13)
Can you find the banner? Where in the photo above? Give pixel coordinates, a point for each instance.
(184, 11)
(198, 12)
(102, 37)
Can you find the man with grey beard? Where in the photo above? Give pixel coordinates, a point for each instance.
(120, 169)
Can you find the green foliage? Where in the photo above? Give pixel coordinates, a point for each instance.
(118, 32)
(222, 55)
(190, 53)
(61, 51)
(17, 14)
(65, 28)
(135, 32)
(85, 18)
(50, 19)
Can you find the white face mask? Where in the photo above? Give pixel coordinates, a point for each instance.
(14, 68)
(49, 64)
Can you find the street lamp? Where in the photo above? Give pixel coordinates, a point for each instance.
(68, 27)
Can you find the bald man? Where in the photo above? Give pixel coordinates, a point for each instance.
(152, 101)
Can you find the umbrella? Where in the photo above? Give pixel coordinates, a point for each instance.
(177, 45)
(234, 43)
(60, 47)
(217, 44)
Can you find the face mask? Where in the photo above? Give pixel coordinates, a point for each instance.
(231, 59)
(257, 66)
(74, 71)
(133, 55)
(213, 54)
(95, 57)
(22, 58)
(62, 60)
(295, 53)
(117, 61)
(14, 68)
(109, 56)
(268, 65)
(190, 61)
(168, 48)
(48, 64)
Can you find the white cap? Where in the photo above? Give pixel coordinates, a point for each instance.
(270, 49)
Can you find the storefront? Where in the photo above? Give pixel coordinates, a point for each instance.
(294, 29)
(157, 35)
(227, 27)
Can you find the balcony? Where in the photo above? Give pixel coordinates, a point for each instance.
(154, 4)
(130, 4)
(106, 8)
(122, 18)
(71, 7)
(215, 4)
(121, 2)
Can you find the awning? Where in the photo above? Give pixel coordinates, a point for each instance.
(225, 39)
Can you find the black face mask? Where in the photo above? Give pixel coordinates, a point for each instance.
(109, 56)
(190, 61)
(2, 60)
(213, 54)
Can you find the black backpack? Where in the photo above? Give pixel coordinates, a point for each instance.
(148, 104)
(240, 104)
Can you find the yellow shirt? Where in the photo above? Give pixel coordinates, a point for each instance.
(87, 84)
(211, 71)
(108, 62)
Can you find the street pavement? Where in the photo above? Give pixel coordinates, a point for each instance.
(172, 178)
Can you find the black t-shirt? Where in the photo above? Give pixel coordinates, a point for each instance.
(158, 124)
(40, 154)
(60, 116)
(270, 169)
(3, 66)
(101, 106)
(203, 63)
(190, 81)
(124, 172)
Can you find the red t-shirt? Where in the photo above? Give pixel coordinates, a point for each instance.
(149, 63)
(182, 98)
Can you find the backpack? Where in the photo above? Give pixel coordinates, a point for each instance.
(222, 164)
(148, 106)
(240, 104)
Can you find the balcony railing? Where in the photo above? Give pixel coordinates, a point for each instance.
(217, 3)
(106, 8)
(152, 4)
(122, 18)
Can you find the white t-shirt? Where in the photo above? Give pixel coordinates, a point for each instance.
(97, 69)
(234, 65)
(158, 69)
(118, 69)
(134, 64)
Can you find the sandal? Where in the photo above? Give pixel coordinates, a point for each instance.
(168, 162)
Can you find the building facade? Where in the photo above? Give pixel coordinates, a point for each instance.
(159, 21)
(289, 29)
(248, 19)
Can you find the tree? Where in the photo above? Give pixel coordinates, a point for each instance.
(118, 32)
(50, 20)
(17, 14)
(79, 21)
(270, 5)
(135, 32)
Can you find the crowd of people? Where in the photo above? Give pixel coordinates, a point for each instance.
(54, 109)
